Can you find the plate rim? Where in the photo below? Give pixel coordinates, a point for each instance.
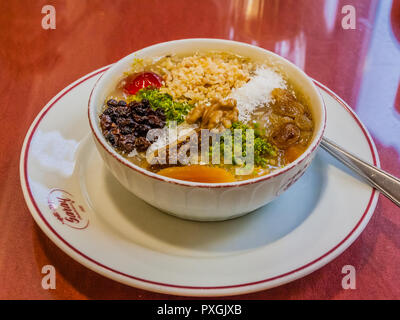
(167, 288)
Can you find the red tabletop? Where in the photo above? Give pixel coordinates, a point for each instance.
(361, 65)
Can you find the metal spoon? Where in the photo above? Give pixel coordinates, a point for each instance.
(387, 184)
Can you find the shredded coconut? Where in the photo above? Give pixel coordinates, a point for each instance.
(257, 91)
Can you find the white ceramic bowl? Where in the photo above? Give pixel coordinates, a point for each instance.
(204, 201)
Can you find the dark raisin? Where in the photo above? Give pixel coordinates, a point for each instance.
(127, 143)
(136, 118)
(112, 103)
(160, 114)
(108, 111)
(130, 137)
(123, 111)
(126, 130)
(151, 112)
(142, 129)
(143, 120)
(111, 138)
(141, 110)
(133, 104)
(154, 121)
(112, 113)
(123, 122)
(105, 122)
(141, 144)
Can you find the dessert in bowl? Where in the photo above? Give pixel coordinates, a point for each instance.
(206, 129)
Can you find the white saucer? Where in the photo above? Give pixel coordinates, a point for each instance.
(91, 217)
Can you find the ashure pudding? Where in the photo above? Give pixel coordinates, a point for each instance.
(207, 117)
(206, 129)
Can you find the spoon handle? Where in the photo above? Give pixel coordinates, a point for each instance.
(387, 184)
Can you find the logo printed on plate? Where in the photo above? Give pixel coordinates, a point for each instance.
(66, 210)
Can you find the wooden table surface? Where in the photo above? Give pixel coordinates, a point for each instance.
(361, 65)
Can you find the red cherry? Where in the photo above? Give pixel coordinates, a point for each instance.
(142, 80)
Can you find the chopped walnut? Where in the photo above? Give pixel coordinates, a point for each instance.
(221, 113)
